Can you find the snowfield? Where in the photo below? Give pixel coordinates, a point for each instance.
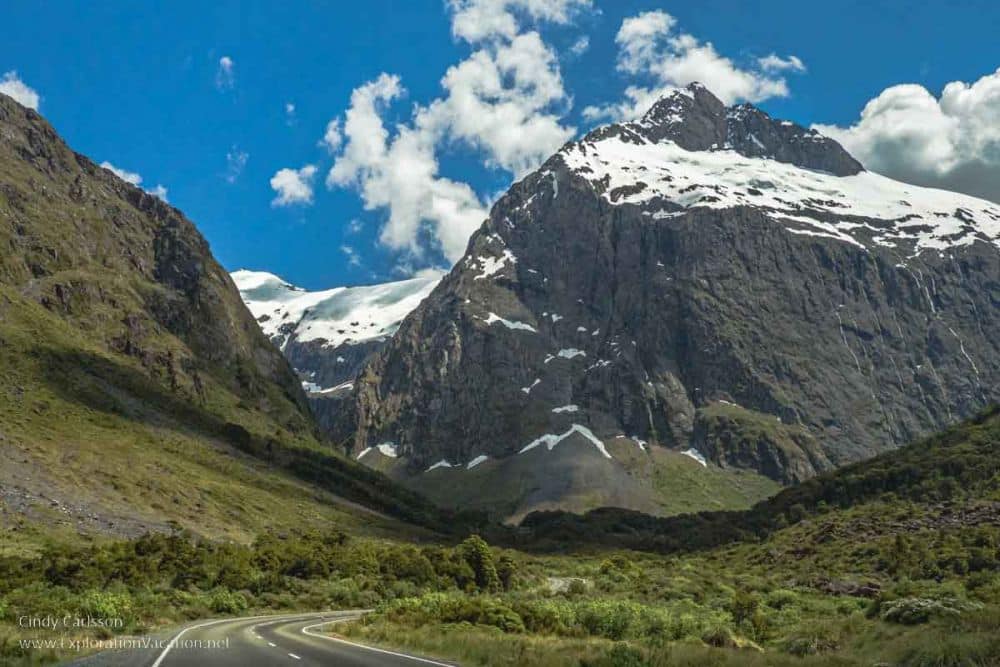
(342, 315)
(862, 209)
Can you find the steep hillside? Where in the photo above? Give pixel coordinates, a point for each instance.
(705, 278)
(136, 389)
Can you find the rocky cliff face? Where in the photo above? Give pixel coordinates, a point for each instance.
(701, 256)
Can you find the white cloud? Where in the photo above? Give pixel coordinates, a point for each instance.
(134, 179)
(354, 226)
(127, 176)
(294, 186)
(289, 113)
(481, 20)
(236, 161)
(333, 138)
(400, 174)
(505, 101)
(950, 142)
(352, 255)
(23, 94)
(653, 50)
(775, 63)
(159, 191)
(225, 76)
(580, 46)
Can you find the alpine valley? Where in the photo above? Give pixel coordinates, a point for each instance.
(652, 334)
(671, 314)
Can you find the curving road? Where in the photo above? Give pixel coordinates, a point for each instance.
(298, 640)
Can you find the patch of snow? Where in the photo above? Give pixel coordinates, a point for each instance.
(362, 453)
(440, 464)
(527, 390)
(696, 455)
(550, 440)
(510, 324)
(482, 458)
(570, 352)
(388, 449)
(566, 408)
(555, 317)
(339, 387)
(489, 266)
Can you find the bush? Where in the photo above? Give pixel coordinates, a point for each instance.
(107, 606)
(224, 601)
(913, 611)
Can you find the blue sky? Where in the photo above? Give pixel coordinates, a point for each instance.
(141, 85)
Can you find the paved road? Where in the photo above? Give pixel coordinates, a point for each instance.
(299, 640)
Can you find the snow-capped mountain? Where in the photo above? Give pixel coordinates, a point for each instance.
(328, 334)
(707, 280)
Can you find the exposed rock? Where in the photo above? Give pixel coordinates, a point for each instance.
(698, 255)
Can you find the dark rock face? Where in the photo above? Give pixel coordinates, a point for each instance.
(696, 120)
(634, 308)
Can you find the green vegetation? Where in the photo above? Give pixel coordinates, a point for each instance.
(894, 562)
(159, 578)
(655, 481)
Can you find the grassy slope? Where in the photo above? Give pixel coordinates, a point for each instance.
(135, 388)
(656, 481)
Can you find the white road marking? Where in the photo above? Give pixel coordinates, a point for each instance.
(306, 630)
(277, 618)
(292, 655)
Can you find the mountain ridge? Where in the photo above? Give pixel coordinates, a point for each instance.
(136, 389)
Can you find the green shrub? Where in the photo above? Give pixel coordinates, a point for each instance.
(913, 610)
(107, 606)
(224, 601)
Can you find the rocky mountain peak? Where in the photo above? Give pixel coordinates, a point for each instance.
(696, 120)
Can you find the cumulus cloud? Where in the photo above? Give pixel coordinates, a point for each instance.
(225, 76)
(481, 20)
(505, 101)
(662, 58)
(952, 141)
(22, 93)
(159, 191)
(294, 186)
(580, 46)
(135, 179)
(332, 138)
(236, 161)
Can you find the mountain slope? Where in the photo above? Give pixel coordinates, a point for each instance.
(948, 480)
(707, 278)
(135, 387)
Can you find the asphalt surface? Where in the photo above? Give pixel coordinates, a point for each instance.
(295, 640)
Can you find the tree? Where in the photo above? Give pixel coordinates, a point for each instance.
(476, 552)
